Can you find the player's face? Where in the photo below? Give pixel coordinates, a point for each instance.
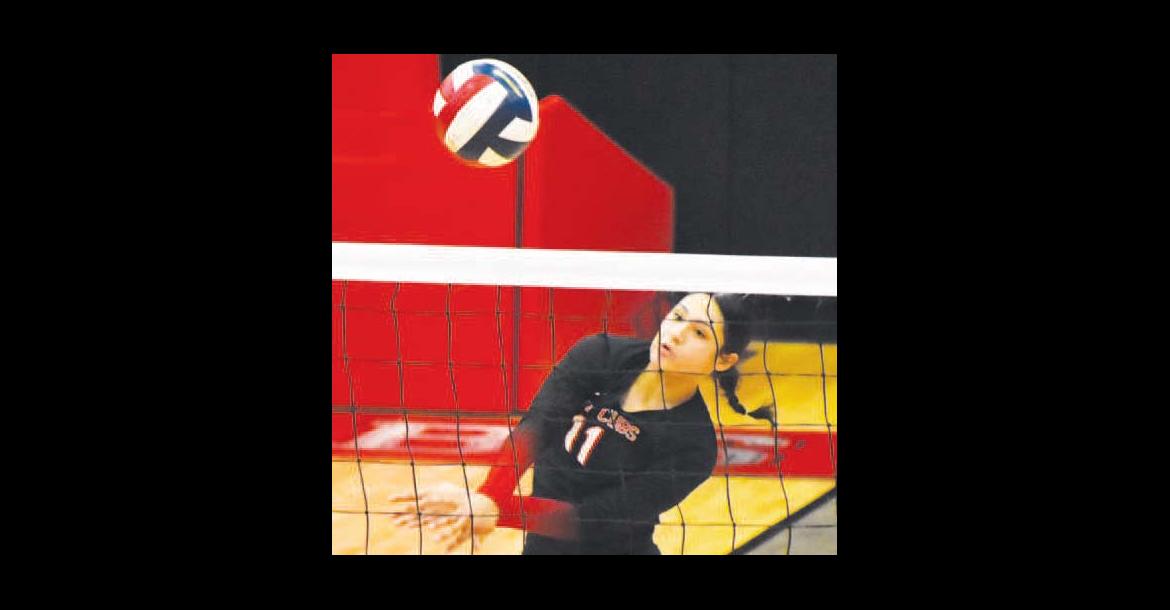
(688, 339)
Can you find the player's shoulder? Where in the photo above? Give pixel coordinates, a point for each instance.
(589, 351)
(608, 343)
(618, 348)
(603, 350)
(617, 342)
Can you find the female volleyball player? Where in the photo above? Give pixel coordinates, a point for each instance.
(618, 433)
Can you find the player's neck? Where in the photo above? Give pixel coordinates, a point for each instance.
(654, 390)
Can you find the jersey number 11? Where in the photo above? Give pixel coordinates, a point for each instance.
(592, 437)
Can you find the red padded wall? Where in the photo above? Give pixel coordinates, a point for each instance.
(583, 192)
(435, 348)
(393, 181)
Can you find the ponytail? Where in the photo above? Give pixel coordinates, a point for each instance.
(728, 380)
(739, 320)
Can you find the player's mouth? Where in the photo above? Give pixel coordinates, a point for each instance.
(664, 349)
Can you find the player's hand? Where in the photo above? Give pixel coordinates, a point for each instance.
(442, 510)
(452, 535)
(434, 505)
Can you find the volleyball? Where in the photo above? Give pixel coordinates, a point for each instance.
(486, 112)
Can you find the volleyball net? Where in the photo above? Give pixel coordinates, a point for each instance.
(437, 353)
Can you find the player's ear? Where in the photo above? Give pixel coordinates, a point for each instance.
(726, 361)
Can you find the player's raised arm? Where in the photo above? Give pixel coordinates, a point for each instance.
(566, 387)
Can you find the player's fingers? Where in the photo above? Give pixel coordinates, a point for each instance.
(451, 520)
(443, 543)
(422, 503)
(402, 509)
(452, 530)
(458, 542)
(401, 506)
(421, 511)
(409, 507)
(446, 537)
(437, 525)
(408, 525)
(431, 505)
(408, 520)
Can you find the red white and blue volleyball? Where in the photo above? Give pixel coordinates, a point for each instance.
(487, 112)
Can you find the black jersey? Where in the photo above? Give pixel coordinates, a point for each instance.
(620, 470)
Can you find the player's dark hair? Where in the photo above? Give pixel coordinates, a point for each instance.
(738, 324)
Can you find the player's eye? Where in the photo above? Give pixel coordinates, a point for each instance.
(699, 333)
